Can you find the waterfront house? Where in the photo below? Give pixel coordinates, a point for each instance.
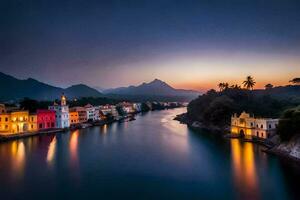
(5, 124)
(82, 114)
(32, 122)
(74, 117)
(90, 111)
(61, 113)
(19, 121)
(250, 126)
(45, 119)
(107, 109)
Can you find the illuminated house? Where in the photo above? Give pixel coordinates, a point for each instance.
(46, 119)
(61, 113)
(32, 122)
(74, 117)
(5, 124)
(82, 114)
(19, 121)
(109, 110)
(248, 126)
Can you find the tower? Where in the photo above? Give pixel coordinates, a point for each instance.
(63, 100)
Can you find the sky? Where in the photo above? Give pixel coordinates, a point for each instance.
(191, 44)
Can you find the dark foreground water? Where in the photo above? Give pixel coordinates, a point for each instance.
(153, 157)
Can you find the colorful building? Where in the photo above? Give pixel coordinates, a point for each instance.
(5, 124)
(19, 121)
(74, 117)
(61, 113)
(248, 126)
(82, 114)
(46, 119)
(32, 122)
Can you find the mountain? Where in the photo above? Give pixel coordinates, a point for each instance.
(81, 90)
(12, 88)
(154, 88)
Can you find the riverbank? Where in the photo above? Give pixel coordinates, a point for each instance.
(285, 150)
(9, 137)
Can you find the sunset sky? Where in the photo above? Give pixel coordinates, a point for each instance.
(189, 44)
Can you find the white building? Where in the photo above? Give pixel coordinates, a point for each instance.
(90, 112)
(61, 113)
(251, 126)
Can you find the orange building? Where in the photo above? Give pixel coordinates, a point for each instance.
(5, 124)
(74, 117)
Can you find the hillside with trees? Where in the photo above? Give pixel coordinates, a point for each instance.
(215, 108)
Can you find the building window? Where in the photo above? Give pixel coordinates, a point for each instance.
(251, 124)
(270, 126)
(261, 126)
(257, 134)
(40, 125)
(52, 124)
(31, 126)
(6, 119)
(262, 135)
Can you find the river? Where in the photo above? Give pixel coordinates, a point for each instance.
(153, 157)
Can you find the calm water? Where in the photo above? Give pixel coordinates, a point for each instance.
(153, 157)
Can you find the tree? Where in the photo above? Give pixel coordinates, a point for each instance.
(223, 86)
(289, 124)
(249, 83)
(295, 81)
(269, 86)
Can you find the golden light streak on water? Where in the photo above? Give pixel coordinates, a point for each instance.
(51, 151)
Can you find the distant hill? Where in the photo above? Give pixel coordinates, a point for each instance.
(155, 88)
(282, 92)
(12, 88)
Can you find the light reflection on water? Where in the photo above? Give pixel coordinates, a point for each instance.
(51, 151)
(152, 152)
(244, 169)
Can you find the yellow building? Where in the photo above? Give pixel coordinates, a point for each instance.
(19, 121)
(74, 117)
(249, 126)
(32, 122)
(5, 124)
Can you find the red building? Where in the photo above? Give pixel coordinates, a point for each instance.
(46, 119)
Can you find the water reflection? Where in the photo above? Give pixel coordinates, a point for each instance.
(73, 146)
(51, 151)
(244, 169)
(18, 158)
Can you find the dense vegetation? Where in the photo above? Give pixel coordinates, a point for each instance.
(289, 124)
(215, 108)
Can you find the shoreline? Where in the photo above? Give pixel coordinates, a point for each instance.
(271, 148)
(10, 137)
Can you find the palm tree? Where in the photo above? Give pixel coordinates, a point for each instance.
(249, 83)
(221, 86)
(226, 86)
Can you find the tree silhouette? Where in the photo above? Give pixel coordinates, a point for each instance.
(295, 81)
(249, 83)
